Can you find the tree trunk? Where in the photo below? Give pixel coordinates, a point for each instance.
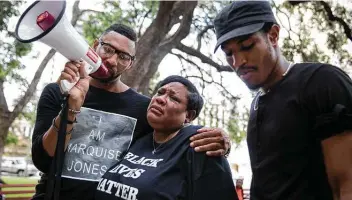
(4, 128)
(155, 43)
(152, 69)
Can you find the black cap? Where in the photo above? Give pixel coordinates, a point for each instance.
(242, 18)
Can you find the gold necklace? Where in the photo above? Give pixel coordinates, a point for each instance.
(155, 149)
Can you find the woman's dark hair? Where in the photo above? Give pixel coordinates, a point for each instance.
(123, 30)
(195, 101)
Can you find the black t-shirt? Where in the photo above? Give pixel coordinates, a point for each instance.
(107, 125)
(168, 173)
(286, 127)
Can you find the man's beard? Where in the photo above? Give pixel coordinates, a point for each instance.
(111, 79)
(115, 75)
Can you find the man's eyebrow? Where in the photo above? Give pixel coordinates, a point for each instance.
(243, 38)
(238, 40)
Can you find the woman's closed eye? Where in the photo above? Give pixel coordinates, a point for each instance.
(174, 98)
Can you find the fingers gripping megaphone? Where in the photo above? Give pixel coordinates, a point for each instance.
(45, 21)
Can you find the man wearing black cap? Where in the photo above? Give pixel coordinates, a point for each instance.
(300, 127)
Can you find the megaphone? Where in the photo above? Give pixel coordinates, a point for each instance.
(45, 21)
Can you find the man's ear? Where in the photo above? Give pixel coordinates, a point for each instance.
(191, 114)
(274, 34)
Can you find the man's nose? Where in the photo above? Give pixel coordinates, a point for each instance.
(238, 60)
(112, 60)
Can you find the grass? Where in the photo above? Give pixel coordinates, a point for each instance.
(19, 180)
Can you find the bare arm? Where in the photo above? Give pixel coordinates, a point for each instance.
(71, 71)
(337, 152)
(50, 137)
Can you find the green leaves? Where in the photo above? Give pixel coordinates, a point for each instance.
(11, 139)
(137, 14)
(22, 49)
(7, 10)
(10, 49)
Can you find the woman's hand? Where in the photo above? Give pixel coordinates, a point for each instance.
(212, 140)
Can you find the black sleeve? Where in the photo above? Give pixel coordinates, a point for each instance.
(212, 178)
(49, 106)
(328, 97)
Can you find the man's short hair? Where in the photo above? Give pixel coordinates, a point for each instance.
(123, 30)
(195, 101)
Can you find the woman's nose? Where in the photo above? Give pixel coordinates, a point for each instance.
(161, 99)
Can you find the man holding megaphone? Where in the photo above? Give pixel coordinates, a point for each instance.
(108, 113)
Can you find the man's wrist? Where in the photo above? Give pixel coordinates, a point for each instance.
(71, 117)
(56, 127)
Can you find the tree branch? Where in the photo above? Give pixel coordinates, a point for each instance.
(332, 17)
(202, 77)
(153, 40)
(184, 70)
(144, 17)
(205, 59)
(3, 102)
(11, 33)
(177, 11)
(214, 82)
(294, 3)
(200, 35)
(76, 13)
(187, 7)
(32, 86)
(158, 27)
(90, 10)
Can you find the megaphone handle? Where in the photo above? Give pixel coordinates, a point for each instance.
(66, 86)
